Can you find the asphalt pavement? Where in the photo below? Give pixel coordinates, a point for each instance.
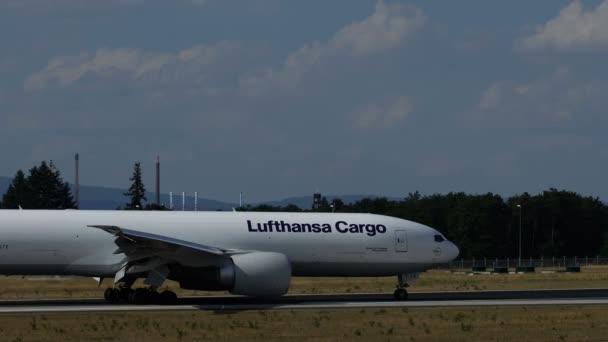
(325, 301)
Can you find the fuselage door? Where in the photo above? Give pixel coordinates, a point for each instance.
(400, 241)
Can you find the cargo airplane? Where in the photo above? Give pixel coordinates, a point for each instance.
(246, 253)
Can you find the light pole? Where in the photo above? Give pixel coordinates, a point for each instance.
(519, 257)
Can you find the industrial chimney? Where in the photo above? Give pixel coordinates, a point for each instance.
(316, 201)
(158, 180)
(76, 181)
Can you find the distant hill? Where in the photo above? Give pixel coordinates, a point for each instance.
(97, 197)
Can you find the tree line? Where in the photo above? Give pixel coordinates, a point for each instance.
(44, 188)
(553, 223)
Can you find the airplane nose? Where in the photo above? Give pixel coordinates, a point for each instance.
(453, 251)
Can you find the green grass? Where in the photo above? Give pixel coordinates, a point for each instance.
(555, 323)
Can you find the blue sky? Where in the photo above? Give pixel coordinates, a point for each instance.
(277, 98)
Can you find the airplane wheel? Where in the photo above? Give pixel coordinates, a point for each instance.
(111, 295)
(130, 298)
(154, 297)
(168, 297)
(123, 295)
(400, 294)
(106, 294)
(139, 297)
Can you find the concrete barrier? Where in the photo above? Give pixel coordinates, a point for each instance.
(525, 269)
(504, 270)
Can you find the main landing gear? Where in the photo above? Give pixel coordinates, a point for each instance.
(139, 296)
(401, 292)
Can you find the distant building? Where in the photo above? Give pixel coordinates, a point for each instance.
(316, 201)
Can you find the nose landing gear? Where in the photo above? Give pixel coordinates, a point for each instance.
(401, 292)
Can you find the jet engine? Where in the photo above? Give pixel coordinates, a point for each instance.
(255, 274)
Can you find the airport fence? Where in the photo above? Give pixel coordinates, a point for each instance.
(551, 262)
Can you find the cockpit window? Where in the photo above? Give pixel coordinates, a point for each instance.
(439, 238)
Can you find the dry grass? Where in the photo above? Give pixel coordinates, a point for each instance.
(436, 324)
(75, 287)
(548, 323)
(438, 280)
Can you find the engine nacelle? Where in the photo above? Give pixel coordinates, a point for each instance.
(256, 274)
(261, 274)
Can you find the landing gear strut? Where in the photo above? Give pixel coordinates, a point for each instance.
(401, 292)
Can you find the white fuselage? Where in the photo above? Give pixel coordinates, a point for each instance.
(316, 244)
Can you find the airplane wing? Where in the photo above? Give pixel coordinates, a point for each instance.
(154, 241)
(147, 252)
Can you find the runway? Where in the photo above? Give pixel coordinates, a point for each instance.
(326, 301)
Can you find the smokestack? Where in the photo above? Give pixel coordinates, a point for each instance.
(158, 180)
(77, 180)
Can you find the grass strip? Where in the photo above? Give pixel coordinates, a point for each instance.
(538, 323)
(16, 287)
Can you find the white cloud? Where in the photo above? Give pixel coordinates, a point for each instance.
(558, 100)
(134, 64)
(574, 27)
(386, 114)
(388, 27)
